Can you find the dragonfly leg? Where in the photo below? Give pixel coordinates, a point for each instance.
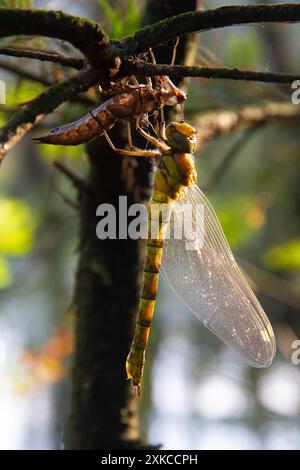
(153, 60)
(129, 134)
(156, 122)
(135, 81)
(162, 124)
(161, 146)
(155, 125)
(175, 51)
(131, 153)
(149, 82)
(181, 111)
(162, 114)
(152, 56)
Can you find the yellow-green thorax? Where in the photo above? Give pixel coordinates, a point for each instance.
(176, 168)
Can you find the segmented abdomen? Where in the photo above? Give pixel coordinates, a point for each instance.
(177, 171)
(156, 229)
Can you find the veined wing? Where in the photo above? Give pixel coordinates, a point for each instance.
(209, 281)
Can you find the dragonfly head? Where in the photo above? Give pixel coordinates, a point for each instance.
(181, 137)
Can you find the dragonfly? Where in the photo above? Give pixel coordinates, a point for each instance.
(204, 275)
(199, 266)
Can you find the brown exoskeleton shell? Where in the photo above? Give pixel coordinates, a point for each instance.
(136, 101)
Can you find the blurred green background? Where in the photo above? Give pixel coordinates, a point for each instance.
(197, 394)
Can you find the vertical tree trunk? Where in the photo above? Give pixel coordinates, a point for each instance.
(103, 411)
(104, 414)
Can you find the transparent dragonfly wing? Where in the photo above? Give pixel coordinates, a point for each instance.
(209, 281)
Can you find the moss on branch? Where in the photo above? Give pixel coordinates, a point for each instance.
(199, 21)
(85, 35)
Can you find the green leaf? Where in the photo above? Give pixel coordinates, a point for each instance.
(240, 218)
(16, 4)
(55, 152)
(284, 257)
(5, 273)
(133, 18)
(243, 51)
(109, 12)
(22, 92)
(122, 23)
(17, 226)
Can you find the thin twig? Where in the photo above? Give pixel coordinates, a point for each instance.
(228, 160)
(273, 285)
(250, 118)
(150, 70)
(77, 182)
(33, 77)
(26, 74)
(67, 200)
(43, 55)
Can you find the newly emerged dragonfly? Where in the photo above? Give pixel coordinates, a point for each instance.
(199, 266)
(206, 277)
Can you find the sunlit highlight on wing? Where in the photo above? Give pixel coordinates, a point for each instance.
(211, 284)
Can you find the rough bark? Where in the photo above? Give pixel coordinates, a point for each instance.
(103, 411)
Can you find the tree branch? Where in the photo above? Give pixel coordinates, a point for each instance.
(151, 70)
(77, 182)
(211, 125)
(43, 55)
(26, 74)
(272, 285)
(249, 119)
(84, 34)
(205, 20)
(92, 41)
(219, 173)
(24, 119)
